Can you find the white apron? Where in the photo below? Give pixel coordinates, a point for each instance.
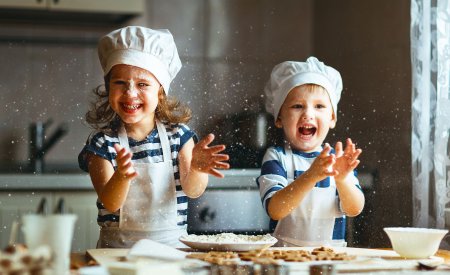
(312, 222)
(150, 209)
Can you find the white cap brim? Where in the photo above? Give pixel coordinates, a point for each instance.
(142, 60)
(300, 79)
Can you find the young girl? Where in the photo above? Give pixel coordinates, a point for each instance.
(142, 160)
(306, 187)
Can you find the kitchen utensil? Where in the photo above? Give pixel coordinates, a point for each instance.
(42, 207)
(427, 265)
(54, 231)
(411, 242)
(13, 233)
(60, 207)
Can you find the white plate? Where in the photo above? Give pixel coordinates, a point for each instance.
(221, 246)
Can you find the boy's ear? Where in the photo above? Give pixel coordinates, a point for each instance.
(333, 122)
(278, 123)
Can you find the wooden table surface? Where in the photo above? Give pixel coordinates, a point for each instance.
(81, 259)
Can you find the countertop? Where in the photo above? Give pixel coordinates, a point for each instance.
(234, 179)
(23, 182)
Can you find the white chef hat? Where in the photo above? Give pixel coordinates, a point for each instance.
(152, 50)
(290, 74)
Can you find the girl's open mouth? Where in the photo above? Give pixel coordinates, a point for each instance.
(130, 108)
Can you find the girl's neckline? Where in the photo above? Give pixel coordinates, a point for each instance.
(146, 137)
(152, 133)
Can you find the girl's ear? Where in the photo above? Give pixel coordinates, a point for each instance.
(161, 93)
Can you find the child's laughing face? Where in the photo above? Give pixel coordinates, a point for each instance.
(133, 94)
(306, 116)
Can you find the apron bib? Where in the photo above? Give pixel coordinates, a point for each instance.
(312, 222)
(150, 210)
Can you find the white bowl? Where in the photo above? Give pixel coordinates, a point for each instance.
(412, 242)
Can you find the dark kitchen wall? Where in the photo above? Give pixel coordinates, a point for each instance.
(47, 73)
(368, 42)
(227, 48)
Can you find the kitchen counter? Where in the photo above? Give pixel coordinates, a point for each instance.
(60, 182)
(234, 178)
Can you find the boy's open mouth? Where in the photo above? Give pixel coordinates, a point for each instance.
(307, 130)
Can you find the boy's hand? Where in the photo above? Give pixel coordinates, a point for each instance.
(206, 159)
(124, 164)
(346, 160)
(322, 165)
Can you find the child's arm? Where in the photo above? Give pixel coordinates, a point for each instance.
(197, 161)
(288, 198)
(112, 186)
(352, 199)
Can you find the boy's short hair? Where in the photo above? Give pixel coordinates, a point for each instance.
(290, 74)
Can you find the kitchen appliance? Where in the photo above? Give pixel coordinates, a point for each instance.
(231, 204)
(247, 135)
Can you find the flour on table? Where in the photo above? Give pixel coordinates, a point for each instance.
(228, 238)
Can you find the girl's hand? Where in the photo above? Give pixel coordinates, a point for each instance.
(322, 165)
(206, 159)
(346, 160)
(124, 164)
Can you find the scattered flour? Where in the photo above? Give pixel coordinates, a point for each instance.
(228, 238)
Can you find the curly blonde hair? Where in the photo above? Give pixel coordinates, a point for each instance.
(102, 117)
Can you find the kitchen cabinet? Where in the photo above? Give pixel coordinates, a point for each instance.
(82, 203)
(97, 6)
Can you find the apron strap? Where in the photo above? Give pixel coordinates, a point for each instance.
(123, 138)
(289, 163)
(165, 145)
(164, 141)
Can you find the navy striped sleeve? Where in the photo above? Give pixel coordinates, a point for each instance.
(98, 145)
(273, 167)
(186, 134)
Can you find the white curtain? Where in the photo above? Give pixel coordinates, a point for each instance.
(430, 56)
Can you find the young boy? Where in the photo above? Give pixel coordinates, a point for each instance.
(308, 187)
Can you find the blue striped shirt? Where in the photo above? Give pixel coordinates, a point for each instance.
(102, 145)
(274, 178)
